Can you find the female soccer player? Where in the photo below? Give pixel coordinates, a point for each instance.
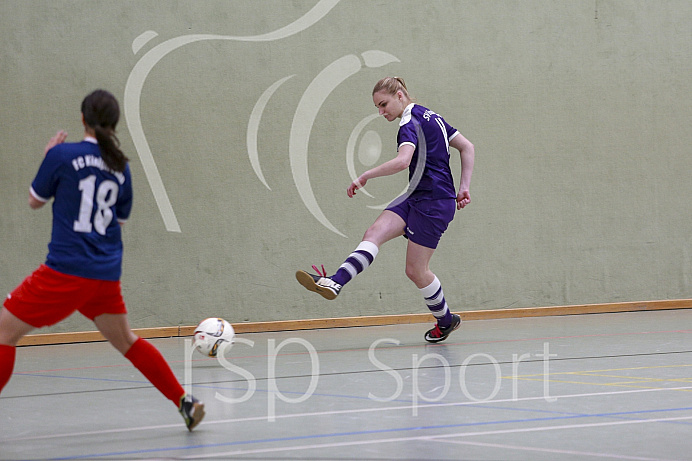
(92, 190)
(422, 214)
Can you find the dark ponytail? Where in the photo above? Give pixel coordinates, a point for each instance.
(101, 113)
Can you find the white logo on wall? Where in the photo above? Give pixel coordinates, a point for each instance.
(306, 112)
(304, 118)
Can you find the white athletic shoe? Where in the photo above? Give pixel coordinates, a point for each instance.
(325, 286)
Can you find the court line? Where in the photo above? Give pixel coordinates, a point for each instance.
(638, 385)
(385, 347)
(551, 450)
(147, 385)
(391, 440)
(339, 412)
(467, 343)
(431, 438)
(85, 378)
(653, 367)
(376, 370)
(635, 378)
(538, 377)
(211, 384)
(633, 381)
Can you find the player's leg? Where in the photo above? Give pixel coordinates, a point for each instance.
(149, 361)
(386, 227)
(107, 310)
(116, 329)
(11, 331)
(427, 221)
(418, 264)
(143, 355)
(418, 271)
(43, 298)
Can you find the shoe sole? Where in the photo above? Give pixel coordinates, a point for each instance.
(442, 339)
(308, 282)
(198, 415)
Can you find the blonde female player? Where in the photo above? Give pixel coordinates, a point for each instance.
(422, 214)
(92, 190)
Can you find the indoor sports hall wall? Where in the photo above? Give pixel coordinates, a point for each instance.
(244, 121)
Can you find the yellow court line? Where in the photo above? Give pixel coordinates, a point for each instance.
(562, 381)
(635, 377)
(584, 383)
(608, 369)
(633, 368)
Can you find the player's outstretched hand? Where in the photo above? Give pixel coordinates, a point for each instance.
(463, 199)
(355, 185)
(59, 138)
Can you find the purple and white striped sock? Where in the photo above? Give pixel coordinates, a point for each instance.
(435, 300)
(356, 262)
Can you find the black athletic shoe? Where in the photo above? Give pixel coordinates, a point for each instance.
(325, 286)
(437, 334)
(192, 411)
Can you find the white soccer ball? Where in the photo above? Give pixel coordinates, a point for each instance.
(211, 334)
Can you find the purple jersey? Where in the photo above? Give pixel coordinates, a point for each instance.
(90, 202)
(429, 173)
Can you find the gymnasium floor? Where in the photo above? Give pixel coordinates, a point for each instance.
(601, 386)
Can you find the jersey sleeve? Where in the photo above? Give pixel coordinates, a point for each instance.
(124, 205)
(451, 131)
(45, 183)
(407, 135)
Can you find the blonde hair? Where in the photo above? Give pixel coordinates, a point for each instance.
(391, 85)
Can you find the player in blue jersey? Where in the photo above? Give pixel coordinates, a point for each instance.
(422, 214)
(91, 188)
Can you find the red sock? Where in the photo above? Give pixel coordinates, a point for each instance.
(7, 354)
(148, 360)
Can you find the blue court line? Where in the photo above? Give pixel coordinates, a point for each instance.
(214, 387)
(202, 386)
(531, 410)
(371, 432)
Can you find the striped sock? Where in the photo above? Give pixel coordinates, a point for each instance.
(356, 262)
(149, 361)
(435, 300)
(7, 355)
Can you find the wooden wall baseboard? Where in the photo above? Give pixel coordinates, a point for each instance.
(378, 320)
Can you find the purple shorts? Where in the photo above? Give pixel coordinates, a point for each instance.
(426, 219)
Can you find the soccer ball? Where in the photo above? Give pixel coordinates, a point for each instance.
(210, 334)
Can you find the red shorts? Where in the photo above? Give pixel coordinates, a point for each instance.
(47, 296)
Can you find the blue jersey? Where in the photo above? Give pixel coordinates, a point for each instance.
(90, 202)
(429, 173)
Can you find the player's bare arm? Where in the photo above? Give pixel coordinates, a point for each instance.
(467, 153)
(35, 203)
(393, 166)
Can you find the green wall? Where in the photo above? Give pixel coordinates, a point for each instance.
(237, 117)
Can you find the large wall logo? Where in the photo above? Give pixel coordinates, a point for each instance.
(304, 118)
(305, 115)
